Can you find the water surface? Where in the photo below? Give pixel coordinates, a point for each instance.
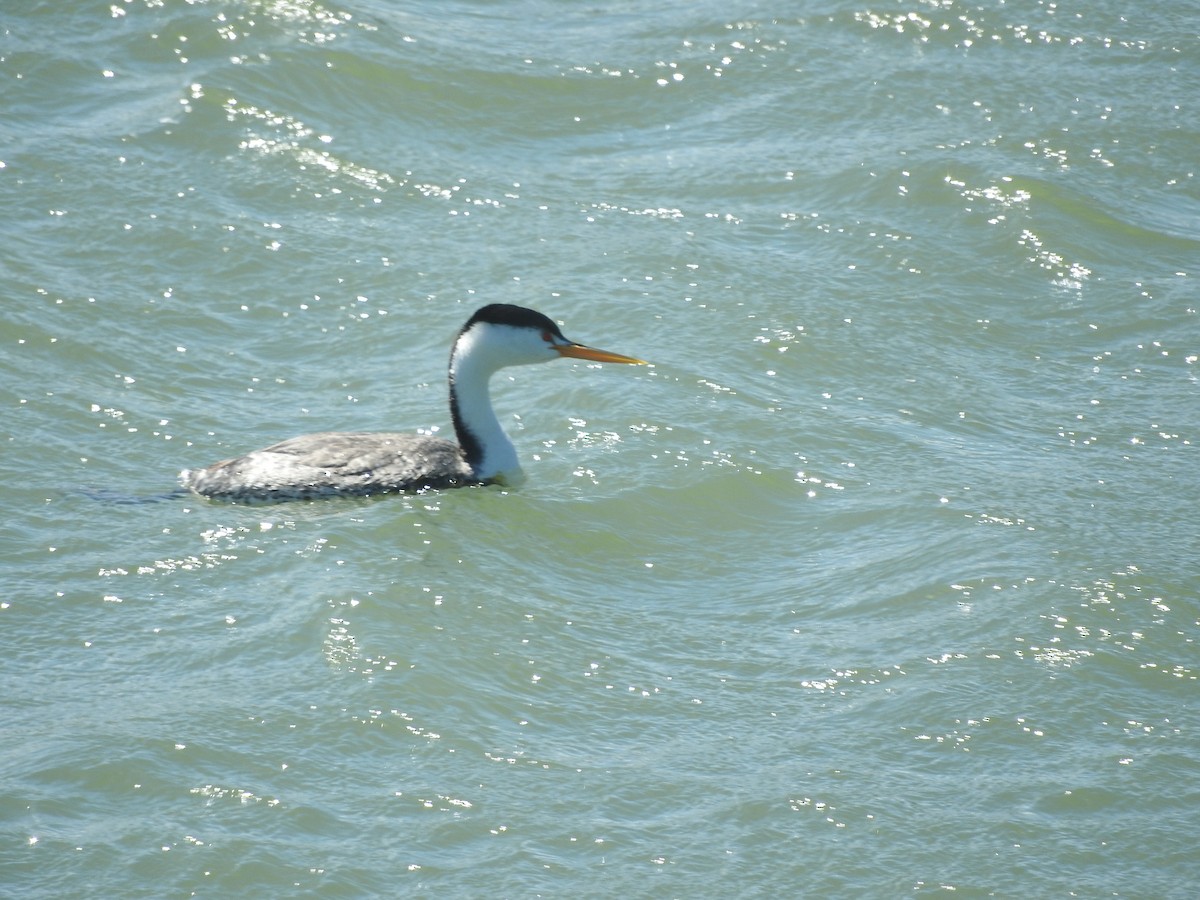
(881, 581)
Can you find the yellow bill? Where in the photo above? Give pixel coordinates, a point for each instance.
(579, 351)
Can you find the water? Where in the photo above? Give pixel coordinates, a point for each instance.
(882, 581)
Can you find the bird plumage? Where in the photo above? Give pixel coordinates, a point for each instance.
(361, 463)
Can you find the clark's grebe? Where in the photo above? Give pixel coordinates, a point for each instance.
(358, 463)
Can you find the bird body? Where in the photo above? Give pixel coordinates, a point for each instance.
(335, 463)
(359, 463)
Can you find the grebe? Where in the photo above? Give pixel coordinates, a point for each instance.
(357, 463)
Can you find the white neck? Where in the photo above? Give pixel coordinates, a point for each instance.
(489, 450)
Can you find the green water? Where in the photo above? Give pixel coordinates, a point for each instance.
(881, 581)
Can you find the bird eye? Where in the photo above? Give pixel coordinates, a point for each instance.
(547, 337)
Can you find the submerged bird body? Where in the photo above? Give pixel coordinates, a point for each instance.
(359, 463)
(335, 463)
